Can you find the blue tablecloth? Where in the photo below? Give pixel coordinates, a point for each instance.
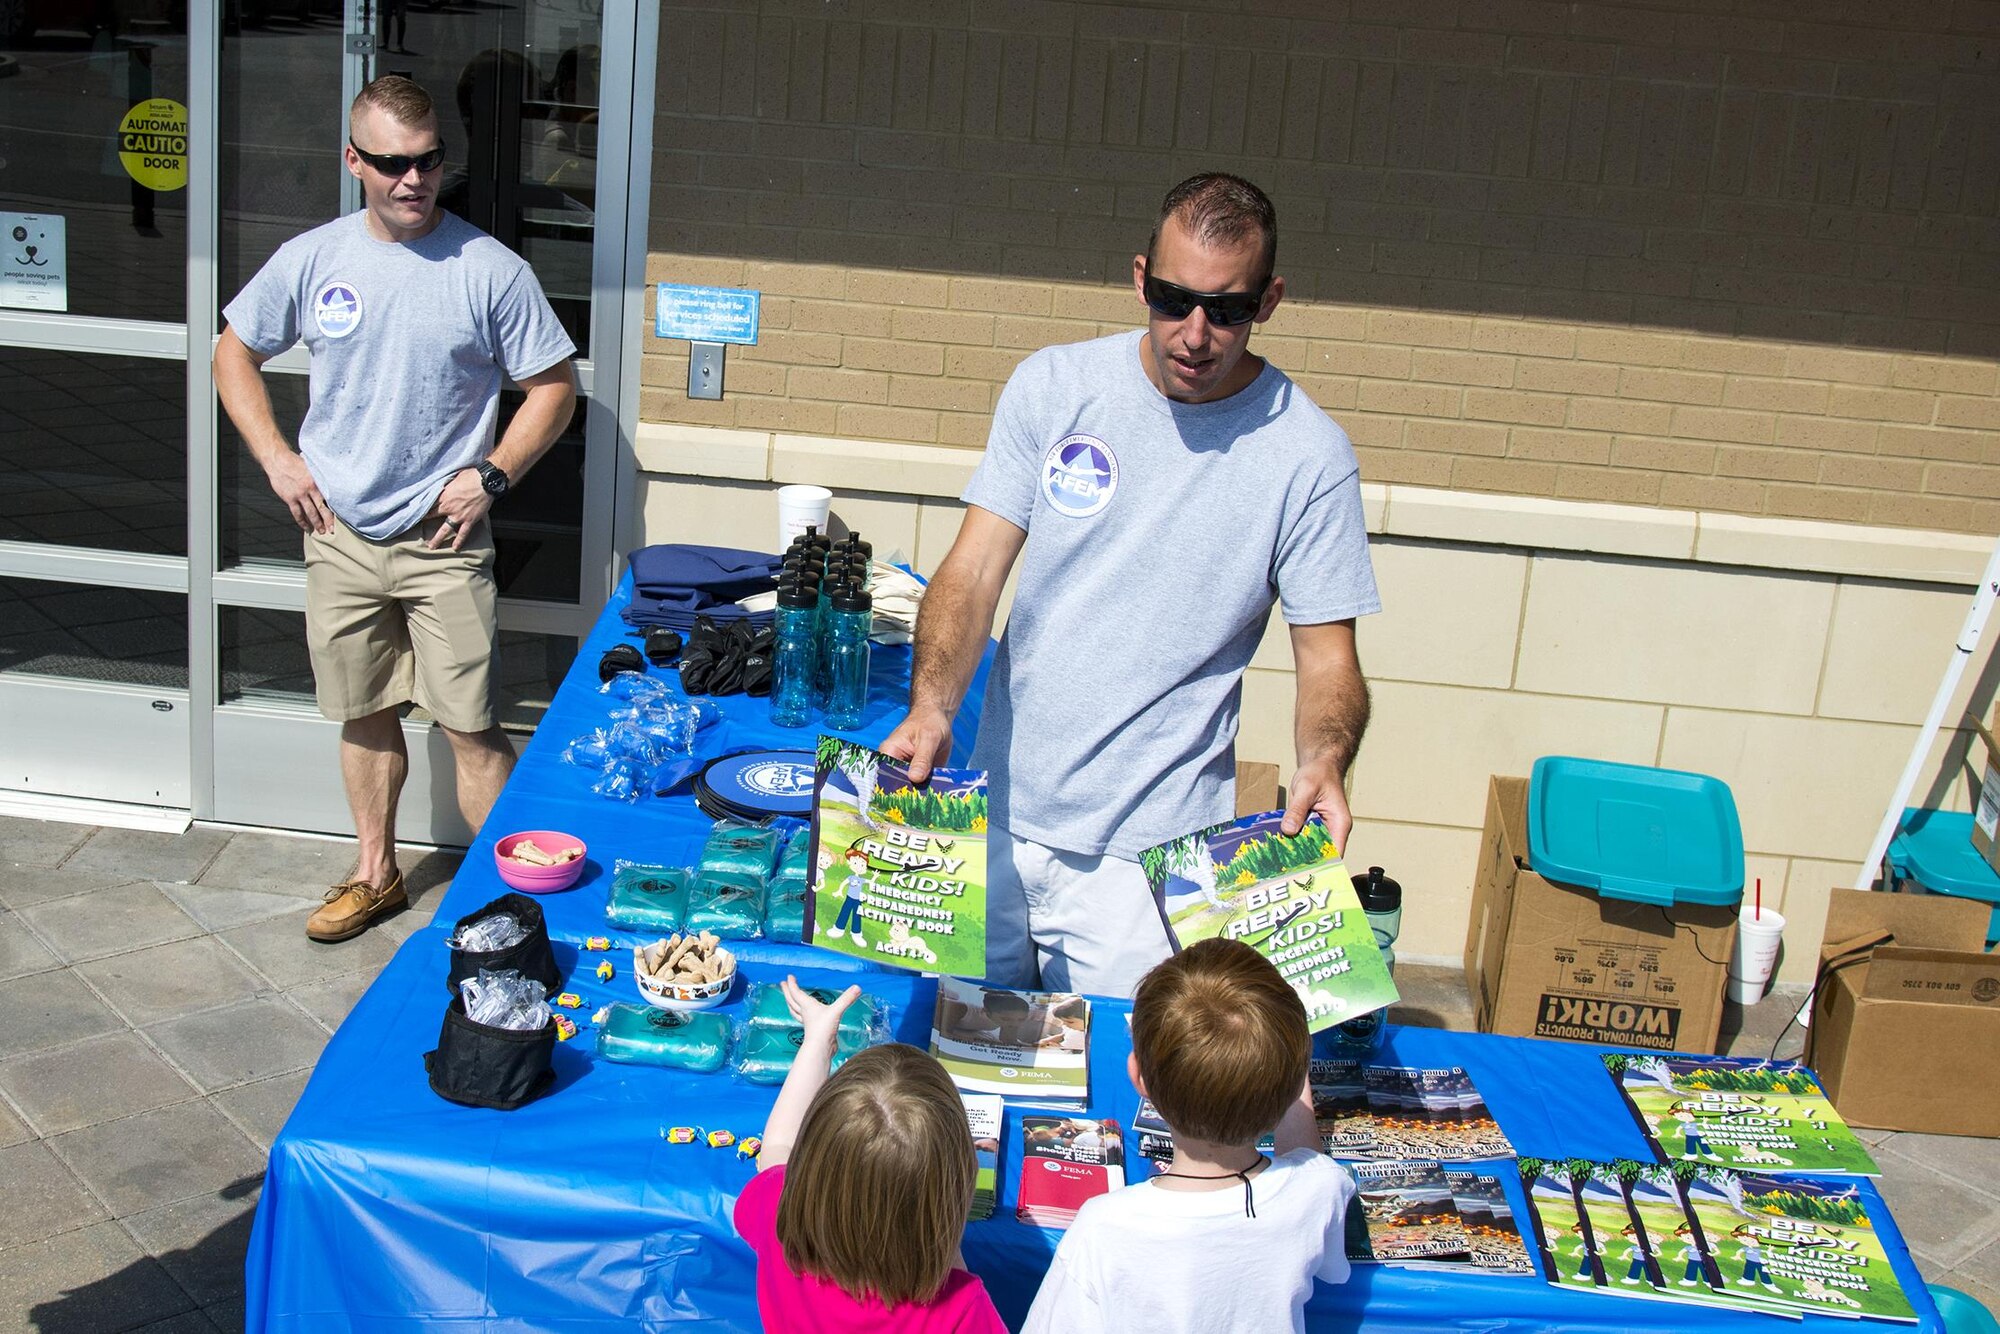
(386, 1208)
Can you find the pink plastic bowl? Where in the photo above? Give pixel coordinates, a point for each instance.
(539, 879)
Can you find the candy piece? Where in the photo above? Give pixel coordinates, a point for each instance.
(569, 1000)
(565, 1028)
(602, 1016)
(605, 972)
(720, 1139)
(681, 1135)
(750, 1147)
(598, 943)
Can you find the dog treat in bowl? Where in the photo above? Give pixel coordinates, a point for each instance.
(685, 960)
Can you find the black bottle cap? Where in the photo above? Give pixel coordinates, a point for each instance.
(1378, 893)
(852, 597)
(798, 596)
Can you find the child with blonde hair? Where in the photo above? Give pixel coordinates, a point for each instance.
(865, 1181)
(1225, 1238)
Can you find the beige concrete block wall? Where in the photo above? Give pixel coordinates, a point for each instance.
(1732, 257)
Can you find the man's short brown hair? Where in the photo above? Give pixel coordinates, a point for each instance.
(879, 1184)
(1221, 1041)
(1219, 209)
(401, 100)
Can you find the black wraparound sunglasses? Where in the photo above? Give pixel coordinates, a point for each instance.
(399, 164)
(1224, 308)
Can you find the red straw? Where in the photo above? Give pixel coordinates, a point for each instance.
(1759, 914)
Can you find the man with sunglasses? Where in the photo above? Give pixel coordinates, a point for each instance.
(414, 319)
(1161, 489)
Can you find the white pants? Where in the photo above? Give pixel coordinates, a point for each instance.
(1066, 922)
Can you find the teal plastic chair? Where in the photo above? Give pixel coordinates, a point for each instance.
(1962, 1314)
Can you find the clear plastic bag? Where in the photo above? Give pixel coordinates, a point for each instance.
(645, 1035)
(785, 911)
(732, 911)
(635, 686)
(488, 934)
(588, 751)
(738, 853)
(765, 1055)
(505, 1000)
(646, 897)
(623, 780)
(867, 1016)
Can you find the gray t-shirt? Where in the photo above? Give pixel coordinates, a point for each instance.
(409, 345)
(1159, 534)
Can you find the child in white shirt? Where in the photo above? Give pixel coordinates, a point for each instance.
(1225, 1239)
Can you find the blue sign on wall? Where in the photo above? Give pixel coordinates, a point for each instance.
(706, 314)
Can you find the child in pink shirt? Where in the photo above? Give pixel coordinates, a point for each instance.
(866, 1178)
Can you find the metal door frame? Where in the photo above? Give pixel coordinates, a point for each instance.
(609, 379)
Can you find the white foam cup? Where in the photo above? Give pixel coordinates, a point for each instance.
(800, 508)
(1756, 952)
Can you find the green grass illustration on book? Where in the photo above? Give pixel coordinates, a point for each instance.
(899, 868)
(1288, 897)
(1758, 1116)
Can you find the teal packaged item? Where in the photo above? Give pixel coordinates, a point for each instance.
(648, 898)
(765, 1055)
(737, 853)
(643, 1035)
(785, 911)
(768, 1010)
(732, 911)
(1629, 831)
(796, 863)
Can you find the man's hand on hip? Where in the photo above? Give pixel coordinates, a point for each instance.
(923, 738)
(293, 483)
(1317, 788)
(462, 503)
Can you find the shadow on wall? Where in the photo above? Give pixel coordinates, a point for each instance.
(1752, 173)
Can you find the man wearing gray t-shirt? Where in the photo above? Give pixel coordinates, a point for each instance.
(414, 319)
(1160, 490)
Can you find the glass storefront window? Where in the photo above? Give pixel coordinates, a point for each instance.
(93, 450)
(282, 128)
(256, 527)
(88, 633)
(115, 221)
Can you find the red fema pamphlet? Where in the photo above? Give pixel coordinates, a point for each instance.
(1065, 1160)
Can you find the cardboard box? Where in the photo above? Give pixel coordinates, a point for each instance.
(1986, 814)
(1907, 1037)
(1256, 788)
(1550, 960)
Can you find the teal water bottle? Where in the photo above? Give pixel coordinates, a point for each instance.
(792, 654)
(853, 616)
(1382, 903)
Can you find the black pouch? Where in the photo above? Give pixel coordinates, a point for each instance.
(530, 957)
(481, 1066)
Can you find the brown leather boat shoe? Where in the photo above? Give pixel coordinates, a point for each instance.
(351, 905)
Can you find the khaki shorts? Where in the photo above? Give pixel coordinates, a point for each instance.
(391, 622)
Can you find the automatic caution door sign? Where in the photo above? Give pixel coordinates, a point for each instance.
(153, 144)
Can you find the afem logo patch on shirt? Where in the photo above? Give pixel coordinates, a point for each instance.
(1079, 475)
(336, 308)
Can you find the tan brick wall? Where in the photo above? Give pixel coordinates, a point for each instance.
(1723, 256)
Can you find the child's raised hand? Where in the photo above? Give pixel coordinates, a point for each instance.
(819, 1018)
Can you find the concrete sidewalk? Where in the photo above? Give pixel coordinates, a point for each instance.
(163, 1009)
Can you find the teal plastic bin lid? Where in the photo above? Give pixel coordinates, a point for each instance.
(1632, 832)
